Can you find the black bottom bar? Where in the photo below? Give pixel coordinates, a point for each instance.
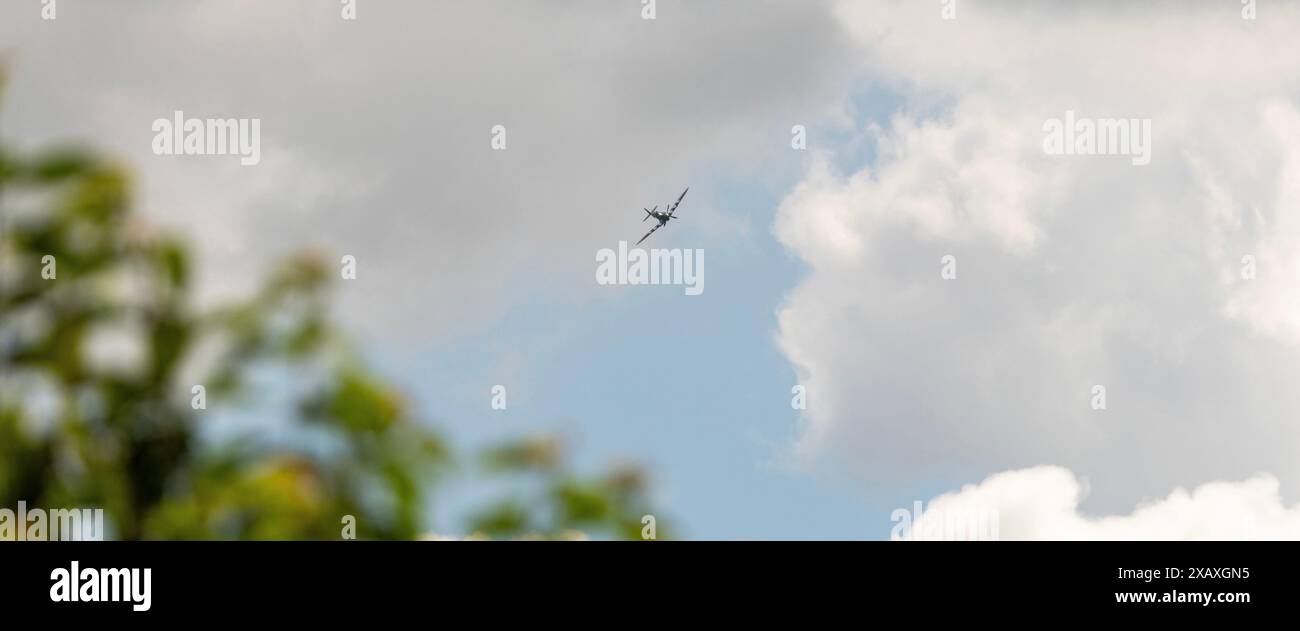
(491, 581)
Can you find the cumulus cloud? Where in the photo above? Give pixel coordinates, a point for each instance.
(1072, 271)
(1043, 503)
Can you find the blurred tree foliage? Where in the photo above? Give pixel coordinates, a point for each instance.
(77, 430)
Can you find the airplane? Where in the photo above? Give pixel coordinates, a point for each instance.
(662, 217)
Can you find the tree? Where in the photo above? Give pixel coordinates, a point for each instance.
(77, 431)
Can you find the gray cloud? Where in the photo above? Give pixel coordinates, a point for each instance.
(375, 132)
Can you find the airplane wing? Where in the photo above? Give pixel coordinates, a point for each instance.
(678, 202)
(647, 235)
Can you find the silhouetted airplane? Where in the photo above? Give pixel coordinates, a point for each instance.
(663, 217)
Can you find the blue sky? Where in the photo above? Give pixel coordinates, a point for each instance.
(692, 387)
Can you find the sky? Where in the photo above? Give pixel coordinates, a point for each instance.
(825, 264)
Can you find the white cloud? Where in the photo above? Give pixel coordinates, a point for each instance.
(1072, 271)
(1042, 503)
